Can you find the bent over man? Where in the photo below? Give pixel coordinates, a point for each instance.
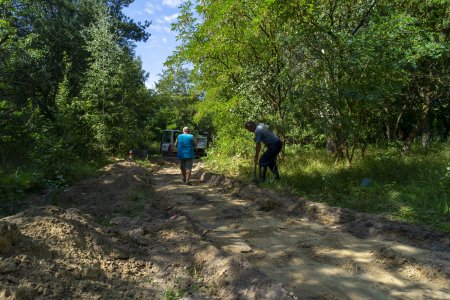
(273, 145)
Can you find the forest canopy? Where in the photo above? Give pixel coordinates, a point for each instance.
(70, 85)
(350, 73)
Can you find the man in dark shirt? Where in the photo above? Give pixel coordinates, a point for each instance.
(273, 144)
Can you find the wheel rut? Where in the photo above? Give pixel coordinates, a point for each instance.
(311, 260)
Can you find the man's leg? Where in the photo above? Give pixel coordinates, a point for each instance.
(188, 176)
(274, 169)
(183, 169)
(188, 166)
(262, 172)
(269, 159)
(264, 162)
(277, 148)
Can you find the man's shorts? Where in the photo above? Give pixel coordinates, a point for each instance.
(186, 163)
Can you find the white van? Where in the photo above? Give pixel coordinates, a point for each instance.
(168, 138)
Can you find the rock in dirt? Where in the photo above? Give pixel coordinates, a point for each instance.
(13, 293)
(238, 247)
(9, 233)
(7, 266)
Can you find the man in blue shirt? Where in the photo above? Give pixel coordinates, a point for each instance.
(186, 145)
(273, 144)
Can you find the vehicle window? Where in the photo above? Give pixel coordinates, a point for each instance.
(166, 137)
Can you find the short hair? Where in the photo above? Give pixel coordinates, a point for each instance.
(186, 129)
(249, 124)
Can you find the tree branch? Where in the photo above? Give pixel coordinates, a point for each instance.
(364, 18)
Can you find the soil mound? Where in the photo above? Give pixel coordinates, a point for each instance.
(361, 225)
(114, 237)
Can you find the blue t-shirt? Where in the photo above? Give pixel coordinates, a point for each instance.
(263, 134)
(185, 146)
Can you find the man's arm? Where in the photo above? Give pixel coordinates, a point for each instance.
(258, 149)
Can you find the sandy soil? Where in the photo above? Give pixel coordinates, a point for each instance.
(141, 233)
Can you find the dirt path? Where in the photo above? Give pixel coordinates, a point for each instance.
(312, 261)
(141, 233)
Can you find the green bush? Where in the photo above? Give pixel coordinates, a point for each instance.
(13, 188)
(18, 184)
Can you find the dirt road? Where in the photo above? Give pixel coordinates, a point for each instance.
(136, 233)
(311, 260)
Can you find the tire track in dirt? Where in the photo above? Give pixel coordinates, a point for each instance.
(311, 260)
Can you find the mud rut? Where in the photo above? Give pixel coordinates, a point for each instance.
(310, 260)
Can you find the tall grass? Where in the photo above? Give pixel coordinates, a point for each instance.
(413, 188)
(16, 185)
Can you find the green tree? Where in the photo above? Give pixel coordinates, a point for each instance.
(111, 95)
(44, 62)
(351, 72)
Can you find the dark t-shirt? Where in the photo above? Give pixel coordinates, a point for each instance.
(263, 134)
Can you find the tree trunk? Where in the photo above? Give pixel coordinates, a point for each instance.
(388, 124)
(388, 132)
(413, 134)
(397, 123)
(363, 150)
(426, 131)
(331, 146)
(349, 153)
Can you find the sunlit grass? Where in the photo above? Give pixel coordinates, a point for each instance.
(413, 188)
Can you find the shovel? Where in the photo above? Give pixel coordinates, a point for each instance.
(255, 177)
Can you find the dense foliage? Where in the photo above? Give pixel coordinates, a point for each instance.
(71, 89)
(69, 80)
(350, 73)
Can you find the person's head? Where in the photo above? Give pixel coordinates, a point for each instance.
(250, 126)
(186, 129)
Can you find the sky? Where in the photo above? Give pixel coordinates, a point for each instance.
(162, 41)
